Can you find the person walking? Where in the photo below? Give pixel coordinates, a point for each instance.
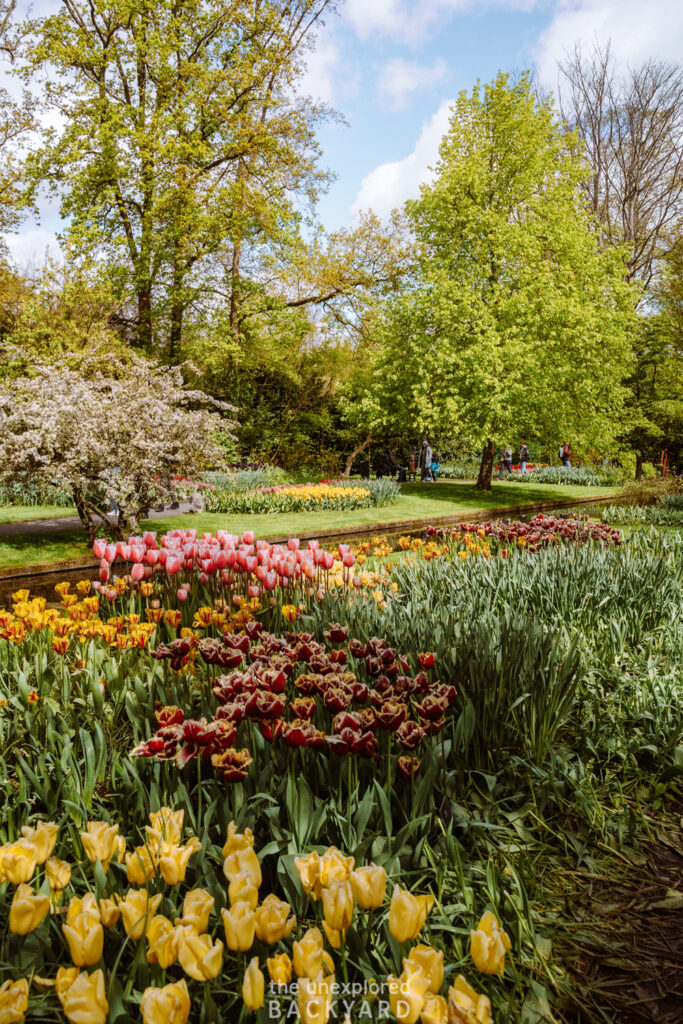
(412, 464)
(566, 456)
(426, 463)
(436, 464)
(523, 455)
(506, 461)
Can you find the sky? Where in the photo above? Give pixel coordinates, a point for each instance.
(391, 69)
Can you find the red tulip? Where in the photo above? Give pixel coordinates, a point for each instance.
(99, 548)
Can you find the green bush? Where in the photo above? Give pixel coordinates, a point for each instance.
(34, 494)
(650, 515)
(583, 476)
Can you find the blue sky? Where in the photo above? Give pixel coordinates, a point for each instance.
(391, 68)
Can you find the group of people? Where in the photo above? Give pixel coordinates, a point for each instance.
(506, 458)
(424, 461)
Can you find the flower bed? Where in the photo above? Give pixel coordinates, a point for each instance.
(308, 497)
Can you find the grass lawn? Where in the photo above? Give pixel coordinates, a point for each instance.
(22, 513)
(417, 501)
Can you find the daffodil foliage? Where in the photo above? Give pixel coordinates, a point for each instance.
(516, 323)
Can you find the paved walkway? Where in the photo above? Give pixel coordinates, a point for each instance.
(62, 523)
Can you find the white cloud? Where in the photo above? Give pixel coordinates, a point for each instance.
(409, 20)
(399, 78)
(637, 31)
(319, 78)
(389, 185)
(29, 248)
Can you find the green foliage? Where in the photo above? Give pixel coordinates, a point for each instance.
(344, 494)
(667, 513)
(34, 493)
(517, 322)
(579, 476)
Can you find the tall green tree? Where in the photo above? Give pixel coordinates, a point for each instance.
(518, 324)
(182, 139)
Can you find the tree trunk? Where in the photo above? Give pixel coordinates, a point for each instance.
(639, 465)
(83, 513)
(486, 467)
(177, 309)
(356, 451)
(234, 286)
(145, 317)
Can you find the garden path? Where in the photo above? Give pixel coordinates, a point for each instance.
(61, 523)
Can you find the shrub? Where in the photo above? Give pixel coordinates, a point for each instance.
(583, 476)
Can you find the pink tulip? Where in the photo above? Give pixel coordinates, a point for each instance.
(111, 595)
(203, 578)
(149, 539)
(328, 559)
(104, 575)
(172, 565)
(248, 537)
(254, 591)
(181, 594)
(343, 548)
(137, 572)
(137, 553)
(221, 560)
(348, 559)
(153, 556)
(270, 581)
(230, 556)
(110, 553)
(313, 545)
(293, 543)
(99, 548)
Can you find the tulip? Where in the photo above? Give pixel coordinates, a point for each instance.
(253, 986)
(58, 873)
(308, 869)
(139, 866)
(369, 885)
(314, 999)
(272, 920)
(162, 939)
(82, 996)
(85, 936)
(338, 905)
(173, 863)
(239, 923)
(43, 837)
(407, 992)
(109, 911)
(335, 867)
(137, 573)
(167, 1005)
(435, 1010)
(243, 862)
(86, 904)
(236, 841)
(334, 937)
(241, 890)
(488, 945)
(197, 907)
(465, 1006)
(17, 861)
(308, 955)
(431, 962)
(27, 910)
(137, 910)
(199, 956)
(101, 842)
(407, 914)
(280, 968)
(13, 1001)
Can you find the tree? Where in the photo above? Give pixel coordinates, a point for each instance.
(183, 140)
(113, 438)
(518, 322)
(15, 120)
(632, 126)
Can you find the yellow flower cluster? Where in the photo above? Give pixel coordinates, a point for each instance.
(80, 620)
(324, 492)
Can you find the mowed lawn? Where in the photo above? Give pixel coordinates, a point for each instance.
(417, 501)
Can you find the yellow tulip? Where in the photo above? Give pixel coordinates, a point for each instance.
(407, 914)
(174, 860)
(488, 945)
(17, 861)
(109, 911)
(163, 941)
(167, 1005)
(465, 1006)
(435, 1010)
(338, 905)
(28, 909)
(272, 920)
(241, 890)
(137, 910)
(168, 823)
(431, 962)
(239, 923)
(308, 955)
(335, 867)
(86, 938)
(253, 986)
(13, 1001)
(314, 999)
(43, 837)
(407, 992)
(243, 861)
(308, 869)
(334, 937)
(139, 866)
(237, 841)
(82, 996)
(83, 905)
(58, 873)
(369, 886)
(280, 968)
(101, 842)
(198, 956)
(197, 907)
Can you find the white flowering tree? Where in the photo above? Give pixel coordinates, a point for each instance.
(113, 432)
